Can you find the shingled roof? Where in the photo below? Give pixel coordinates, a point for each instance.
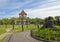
(22, 13)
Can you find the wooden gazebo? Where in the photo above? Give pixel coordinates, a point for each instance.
(22, 16)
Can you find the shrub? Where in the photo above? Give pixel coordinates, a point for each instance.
(47, 34)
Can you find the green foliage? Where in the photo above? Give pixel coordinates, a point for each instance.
(47, 34)
(11, 21)
(57, 20)
(57, 17)
(36, 20)
(49, 18)
(4, 20)
(1, 22)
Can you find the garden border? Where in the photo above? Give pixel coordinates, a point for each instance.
(40, 39)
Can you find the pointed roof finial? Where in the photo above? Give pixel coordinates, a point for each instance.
(22, 13)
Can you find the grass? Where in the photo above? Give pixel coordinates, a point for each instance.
(2, 31)
(17, 28)
(42, 33)
(26, 27)
(1, 40)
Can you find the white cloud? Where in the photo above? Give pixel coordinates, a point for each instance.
(51, 0)
(44, 12)
(40, 9)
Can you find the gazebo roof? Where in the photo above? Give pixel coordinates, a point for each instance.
(22, 13)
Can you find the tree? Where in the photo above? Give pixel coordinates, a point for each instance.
(57, 20)
(32, 21)
(49, 22)
(5, 22)
(49, 18)
(57, 17)
(12, 21)
(1, 22)
(37, 21)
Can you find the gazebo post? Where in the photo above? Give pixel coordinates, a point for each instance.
(22, 25)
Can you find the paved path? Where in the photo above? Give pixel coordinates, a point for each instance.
(21, 37)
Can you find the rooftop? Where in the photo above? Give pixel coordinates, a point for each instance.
(22, 13)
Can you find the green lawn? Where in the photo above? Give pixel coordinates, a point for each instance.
(17, 28)
(2, 31)
(1, 40)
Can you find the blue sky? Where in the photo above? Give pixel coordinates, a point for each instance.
(34, 8)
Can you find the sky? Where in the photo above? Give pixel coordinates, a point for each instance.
(33, 8)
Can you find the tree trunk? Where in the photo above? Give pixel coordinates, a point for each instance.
(13, 26)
